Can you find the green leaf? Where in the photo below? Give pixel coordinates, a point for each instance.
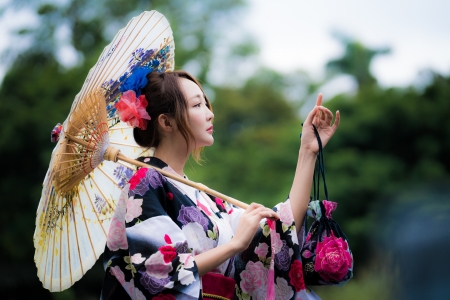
(266, 230)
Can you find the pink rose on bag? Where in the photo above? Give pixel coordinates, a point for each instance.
(333, 260)
(296, 276)
(253, 277)
(330, 207)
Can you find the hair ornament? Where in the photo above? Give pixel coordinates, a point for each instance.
(131, 109)
(136, 81)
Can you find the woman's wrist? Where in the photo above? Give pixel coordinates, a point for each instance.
(307, 153)
(235, 246)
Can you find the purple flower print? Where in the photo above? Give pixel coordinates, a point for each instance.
(153, 284)
(182, 247)
(155, 178)
(282, 258)
(123, 174)
(192, 214)
(143, 178)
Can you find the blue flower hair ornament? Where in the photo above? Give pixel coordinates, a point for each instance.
(136, 81)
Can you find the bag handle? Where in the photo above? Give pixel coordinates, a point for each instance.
(319, 169)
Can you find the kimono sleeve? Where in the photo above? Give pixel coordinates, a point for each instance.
(147, 252)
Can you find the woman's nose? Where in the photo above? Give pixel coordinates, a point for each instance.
(210, 115)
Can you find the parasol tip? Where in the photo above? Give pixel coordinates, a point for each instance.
(56, 132)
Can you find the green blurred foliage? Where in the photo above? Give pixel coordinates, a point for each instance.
(388, 140)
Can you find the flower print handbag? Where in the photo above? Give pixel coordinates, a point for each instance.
(326, 256)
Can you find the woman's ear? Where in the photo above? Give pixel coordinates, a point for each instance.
(166, 123)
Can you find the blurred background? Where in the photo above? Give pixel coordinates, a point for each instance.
(385, 65)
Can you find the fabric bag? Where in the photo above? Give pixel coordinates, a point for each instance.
(326, 256)
(217, 286)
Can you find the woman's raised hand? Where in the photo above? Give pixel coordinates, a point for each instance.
(249, 223)
(322, 118)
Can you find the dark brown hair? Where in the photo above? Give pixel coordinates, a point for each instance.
(165, 96)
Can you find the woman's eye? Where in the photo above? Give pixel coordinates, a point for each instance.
(197, 105)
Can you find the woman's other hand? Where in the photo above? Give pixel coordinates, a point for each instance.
(249, 223)
(322, 118)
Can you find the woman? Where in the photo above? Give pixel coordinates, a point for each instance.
(177, 237)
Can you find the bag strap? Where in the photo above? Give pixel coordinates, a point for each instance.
(319, 170)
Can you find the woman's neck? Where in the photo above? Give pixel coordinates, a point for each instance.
(173, 155)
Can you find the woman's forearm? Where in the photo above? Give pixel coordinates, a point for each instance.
(301, 186)
(211, 259)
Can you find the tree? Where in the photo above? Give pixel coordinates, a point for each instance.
(355, 61)
(388, 141)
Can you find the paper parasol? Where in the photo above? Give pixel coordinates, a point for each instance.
(91, 161)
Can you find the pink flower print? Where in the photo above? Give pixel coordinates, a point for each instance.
(262, 250)
(277, 243)
(156, 267)
(330, 207)
(285, 212)
(296, 276)
(333, 259)
(134, 209)
(169, 196)
(138, 176)
(169, 252)
(219, 203)
(187, 260)
(167, 239)
(253, 277)
(203, 208)
(133, 291)
(283, 290)
(137, 258)
(308, 237)
(117, 272)
(117, 238)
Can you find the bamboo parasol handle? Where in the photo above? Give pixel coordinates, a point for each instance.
(114, 155)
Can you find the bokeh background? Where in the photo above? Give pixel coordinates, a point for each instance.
(385, 65)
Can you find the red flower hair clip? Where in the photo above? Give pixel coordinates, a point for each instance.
(132, 110)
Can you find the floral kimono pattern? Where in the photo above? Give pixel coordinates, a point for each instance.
(160, 225)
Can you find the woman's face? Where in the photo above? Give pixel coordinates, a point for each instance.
(200, 117)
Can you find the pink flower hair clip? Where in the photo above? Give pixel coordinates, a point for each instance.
(132, 110)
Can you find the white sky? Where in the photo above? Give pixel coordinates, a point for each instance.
(297, 34)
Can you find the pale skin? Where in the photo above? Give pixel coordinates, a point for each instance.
(174, 151)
